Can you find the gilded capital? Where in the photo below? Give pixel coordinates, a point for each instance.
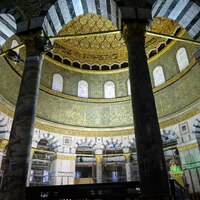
(99, 158)
(3, 144)
(127, 157)
(134, 30)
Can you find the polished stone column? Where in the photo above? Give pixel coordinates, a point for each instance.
(29, 167)
(19, 146)
(127, 157)
(151, 160)
(99, 168)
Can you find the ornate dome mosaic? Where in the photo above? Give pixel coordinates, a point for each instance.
(104, 52)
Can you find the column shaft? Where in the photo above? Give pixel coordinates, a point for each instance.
(151, 160)
(99, 169)
(127, 157)
(19, 146)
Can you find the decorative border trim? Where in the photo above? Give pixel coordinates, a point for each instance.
(98, 132)
(164, 50)
(187, 147)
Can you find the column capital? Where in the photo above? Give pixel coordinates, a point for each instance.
(134, 30)
(127, 157)
(35, 43)
(3, 144)
(99, 158)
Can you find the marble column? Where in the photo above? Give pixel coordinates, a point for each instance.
(63, 167)
(127, 157)
(151, 160)
(19, 146)
(1, 158)
(99, 168)
(29, 167)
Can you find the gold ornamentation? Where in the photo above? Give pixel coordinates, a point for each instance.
(187, 147)
(178, 176)
(164, 50)
(127, 157)
(63, 157)
(94, 132)
(180, 118)
(193, 62)
(99, 158)
(3, 144)
(84, 71)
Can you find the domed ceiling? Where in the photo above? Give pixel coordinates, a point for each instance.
(108, 49)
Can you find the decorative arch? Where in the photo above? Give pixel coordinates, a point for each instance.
(64, 11)
(57, 83)
(83, 89)
(186, 13)
(52, 141)
(182, 59)
(168, 136)
(109, 90)
(85, 141)
(158, 76)
(113, 141)
(4, 126)
(128, 143)
(8, 27)
(196, 127)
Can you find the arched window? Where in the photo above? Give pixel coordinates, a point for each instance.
(158, 76)
(129, 87)
(57, 83)
(83, 89)
(182, 58)
(14, 44)
(109, 90)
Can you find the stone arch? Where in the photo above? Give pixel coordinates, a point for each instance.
(8, 27)
(64, 11)
(113, 141)
(8, 23)
(186, 13)
(4, 126)
(53, 141)
(128, 143)
(85, 141)
(168, 136)
(196, 127)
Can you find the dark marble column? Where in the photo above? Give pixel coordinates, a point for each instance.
(19, 146)
(151, 160)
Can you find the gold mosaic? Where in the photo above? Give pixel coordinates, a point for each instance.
(107, 49)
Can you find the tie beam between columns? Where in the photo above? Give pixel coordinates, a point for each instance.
(65, 37)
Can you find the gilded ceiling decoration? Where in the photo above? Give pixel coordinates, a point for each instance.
(105, 50)
(96, 49)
